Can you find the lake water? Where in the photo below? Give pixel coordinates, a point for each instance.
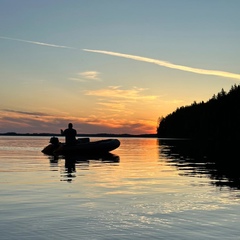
(143, 191)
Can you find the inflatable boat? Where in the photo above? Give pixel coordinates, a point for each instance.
(82, 146)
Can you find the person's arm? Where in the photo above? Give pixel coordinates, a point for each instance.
(62, 133)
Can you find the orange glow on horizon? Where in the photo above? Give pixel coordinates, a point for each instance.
(38, 123)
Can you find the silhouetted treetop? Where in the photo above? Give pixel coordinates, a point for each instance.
(218, 118)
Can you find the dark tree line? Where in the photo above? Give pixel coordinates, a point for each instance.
(217, 119)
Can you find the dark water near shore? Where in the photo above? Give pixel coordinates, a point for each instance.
(146, 189)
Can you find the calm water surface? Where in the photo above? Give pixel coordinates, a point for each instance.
(143, 191)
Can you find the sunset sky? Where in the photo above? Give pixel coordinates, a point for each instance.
(112, 66)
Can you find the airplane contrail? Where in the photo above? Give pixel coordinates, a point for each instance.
(170, 65)
(142, 59)
(38, 43)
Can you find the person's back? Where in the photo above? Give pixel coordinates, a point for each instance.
(70, 135)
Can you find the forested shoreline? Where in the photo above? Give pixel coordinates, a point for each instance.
(216, 119)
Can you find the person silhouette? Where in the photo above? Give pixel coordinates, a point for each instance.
(70, 135)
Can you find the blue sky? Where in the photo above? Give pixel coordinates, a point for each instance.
(112, 65)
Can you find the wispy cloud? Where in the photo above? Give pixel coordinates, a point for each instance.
(25, 112)
(37, 122)
(116, 92)
(88, 75)
(37, 43)
(170, 65)
(118, 102)
(113, 105)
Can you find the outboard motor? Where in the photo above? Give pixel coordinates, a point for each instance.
(54, 140)
(50, 148)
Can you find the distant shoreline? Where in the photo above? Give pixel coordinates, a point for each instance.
(81, 135)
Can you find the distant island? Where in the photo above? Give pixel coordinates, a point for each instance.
(81, 135)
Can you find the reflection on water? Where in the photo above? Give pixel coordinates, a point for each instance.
(194, 158)
(149, 194)
(81, 162)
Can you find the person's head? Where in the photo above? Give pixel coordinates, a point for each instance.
(70, 125)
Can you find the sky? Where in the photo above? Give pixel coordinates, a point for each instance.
(112, 66)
